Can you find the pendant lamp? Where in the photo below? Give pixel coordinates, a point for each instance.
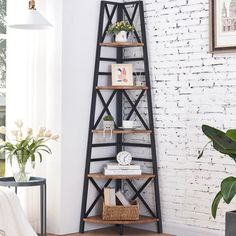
(31, 19)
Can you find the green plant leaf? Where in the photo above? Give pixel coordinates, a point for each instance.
(228, 189)
(231, 133)
(219, 137)
(231, 153)
(215, 204)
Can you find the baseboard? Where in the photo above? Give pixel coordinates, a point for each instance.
(183, 230)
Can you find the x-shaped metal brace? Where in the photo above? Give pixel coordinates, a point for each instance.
(100, 194)
(132, 19)
(109, 21)
(138, 194)
(105, 105)
(134, 108)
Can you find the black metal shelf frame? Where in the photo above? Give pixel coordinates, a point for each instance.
(118, 11)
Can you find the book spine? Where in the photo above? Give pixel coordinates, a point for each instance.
(112, 197)
(107, 196)
(122, 172)
(113, 167)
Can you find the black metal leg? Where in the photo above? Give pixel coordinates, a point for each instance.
(121, 229)
(45, 209)
(41, 210)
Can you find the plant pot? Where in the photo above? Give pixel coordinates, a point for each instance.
(108, 124)
(22, 167)
(121, 36)
(230, 220)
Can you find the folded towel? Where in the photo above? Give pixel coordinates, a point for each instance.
(13, 221)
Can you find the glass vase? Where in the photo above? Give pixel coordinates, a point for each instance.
(22, 167)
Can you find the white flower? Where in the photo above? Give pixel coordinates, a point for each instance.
(55, 137)
(30, 131)
(19, 123)
(2, 130)
(48, 133)
(41, 132)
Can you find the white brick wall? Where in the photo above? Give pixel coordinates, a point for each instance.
(190, 87)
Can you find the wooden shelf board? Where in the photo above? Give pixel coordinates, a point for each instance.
(121, 131)
(121, 87)
(99, 220)
(102, 176)
(125, 44)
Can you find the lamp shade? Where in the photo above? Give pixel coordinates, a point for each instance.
(30, 20)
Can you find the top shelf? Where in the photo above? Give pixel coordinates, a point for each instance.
(125, 44)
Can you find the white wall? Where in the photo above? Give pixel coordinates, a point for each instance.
(80, 22)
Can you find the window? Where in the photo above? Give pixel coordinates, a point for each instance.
(3, 39)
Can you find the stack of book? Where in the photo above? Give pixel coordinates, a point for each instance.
(116, 169)
(110, 197)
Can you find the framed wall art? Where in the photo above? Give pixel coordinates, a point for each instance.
(222, 26)
(122, 74)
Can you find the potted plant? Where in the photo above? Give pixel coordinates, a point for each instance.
(108, 122)
(120, 29)
(23, 147)
(225, 143)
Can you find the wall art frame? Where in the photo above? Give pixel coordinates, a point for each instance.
(222, 26)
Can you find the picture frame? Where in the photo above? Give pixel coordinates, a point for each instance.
(122, 74)
(222, 20)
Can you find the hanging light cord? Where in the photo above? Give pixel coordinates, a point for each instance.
(32, 5)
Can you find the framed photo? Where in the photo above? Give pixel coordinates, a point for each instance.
(222, 26)
(122, 74)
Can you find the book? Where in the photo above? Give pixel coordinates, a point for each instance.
(107, 196)
(122, 198)
(116, 166)
(122, 172)
(112, 197)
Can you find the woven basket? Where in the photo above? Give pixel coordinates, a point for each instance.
(121, 212)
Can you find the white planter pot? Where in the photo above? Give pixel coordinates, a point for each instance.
(107, 124)
(121, 36)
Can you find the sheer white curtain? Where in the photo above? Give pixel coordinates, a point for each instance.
(26, 99)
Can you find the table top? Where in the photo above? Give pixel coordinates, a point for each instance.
(10, 181)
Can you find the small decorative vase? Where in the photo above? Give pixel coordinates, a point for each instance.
(108, 124)
(121, 36)
(22, 167)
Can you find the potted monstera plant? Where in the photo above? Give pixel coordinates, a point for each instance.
(225, 143)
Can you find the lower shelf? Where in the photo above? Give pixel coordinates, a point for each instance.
(99, 220)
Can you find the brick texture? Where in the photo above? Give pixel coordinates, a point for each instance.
(190, 87)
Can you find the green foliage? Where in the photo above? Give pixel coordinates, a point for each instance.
(2, 167)
(120, 26)
(224, 143)
(108, 118)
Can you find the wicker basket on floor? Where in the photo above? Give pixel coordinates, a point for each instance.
(121, 212)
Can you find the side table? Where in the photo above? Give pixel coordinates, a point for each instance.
(34, 181)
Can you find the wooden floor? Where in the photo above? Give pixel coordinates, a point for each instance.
(114, 231)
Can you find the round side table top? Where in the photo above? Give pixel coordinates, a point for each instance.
(10, 181)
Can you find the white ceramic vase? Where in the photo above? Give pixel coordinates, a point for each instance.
(107, 124)
(121, 37)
